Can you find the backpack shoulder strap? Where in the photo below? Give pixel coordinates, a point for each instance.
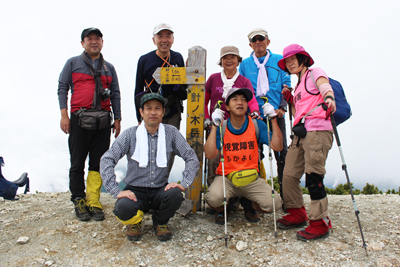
(313, 80)
(305, 83)
(256, 127)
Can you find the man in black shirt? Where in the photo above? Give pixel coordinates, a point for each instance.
(163, 56)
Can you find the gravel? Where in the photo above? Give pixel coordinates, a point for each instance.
(41, 230)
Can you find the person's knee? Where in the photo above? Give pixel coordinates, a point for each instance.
(315, 185)
(125, 208)
(174, 196)
(214, 200)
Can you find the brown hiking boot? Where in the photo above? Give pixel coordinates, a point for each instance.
(134, 231)
(162, 232)
(252, 216)
(220, 218)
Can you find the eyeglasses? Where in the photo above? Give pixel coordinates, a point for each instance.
(259, 38)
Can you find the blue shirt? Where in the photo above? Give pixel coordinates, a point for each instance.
(276, 78)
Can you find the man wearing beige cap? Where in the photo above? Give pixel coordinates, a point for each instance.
(261, 68)
(163, 56)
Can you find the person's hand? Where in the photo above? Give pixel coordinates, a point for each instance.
(280, 112)
(207, 124)
(128, 194)
(269, 110)
(117, 127)
(217, 116)
(173, 185)
(331, 105)
(255, 115)
(65, 124)
(287, 94)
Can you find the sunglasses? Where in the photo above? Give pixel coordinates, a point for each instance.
(259, 38)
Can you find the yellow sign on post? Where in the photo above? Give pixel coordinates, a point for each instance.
(175, 75)
(194, 136)
(194, 75)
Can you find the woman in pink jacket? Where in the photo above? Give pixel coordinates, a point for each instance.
(309, 149)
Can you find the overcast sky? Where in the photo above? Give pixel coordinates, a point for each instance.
(355, 42)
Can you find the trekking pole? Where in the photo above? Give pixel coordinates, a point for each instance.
(344, 167)
(291, 122)
(271, 176)
(218, 105)
(205, 176)
(204, 184)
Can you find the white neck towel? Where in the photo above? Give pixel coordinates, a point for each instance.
(228, 83)
(262, 80)
(142, 147)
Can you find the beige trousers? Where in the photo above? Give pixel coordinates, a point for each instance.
(309, 156)
(258, 191)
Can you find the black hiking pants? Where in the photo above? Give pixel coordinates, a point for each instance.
(164, 203)
(83, 143)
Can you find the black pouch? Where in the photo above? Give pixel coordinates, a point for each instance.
(92, 119)
(300, 130)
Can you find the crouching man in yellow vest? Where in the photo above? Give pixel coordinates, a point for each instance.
(241, 157)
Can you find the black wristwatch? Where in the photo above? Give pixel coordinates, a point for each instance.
(284, 108)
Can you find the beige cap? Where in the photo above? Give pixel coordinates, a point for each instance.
(257, 31)
(229, 50)
(162, 26)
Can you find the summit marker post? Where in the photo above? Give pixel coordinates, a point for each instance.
(194, 75)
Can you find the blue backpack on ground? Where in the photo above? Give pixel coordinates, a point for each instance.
(8, 190)
(343, 109)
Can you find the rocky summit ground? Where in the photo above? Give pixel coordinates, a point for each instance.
(56, 238)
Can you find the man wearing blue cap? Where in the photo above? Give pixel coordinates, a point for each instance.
(94, 90)
(148, 148)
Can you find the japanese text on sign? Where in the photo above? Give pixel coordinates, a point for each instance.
(176, 75)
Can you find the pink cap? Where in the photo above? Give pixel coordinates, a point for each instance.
(291, 50)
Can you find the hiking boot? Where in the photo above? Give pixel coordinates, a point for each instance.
(134, 231)
(210, 210)
(220, 218)
(162, 232)
(96, 213)
(316, 230)
(251, 216)
(233, 204)
(81, 210)
(297, 217)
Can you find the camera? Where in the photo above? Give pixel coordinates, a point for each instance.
(106, 94)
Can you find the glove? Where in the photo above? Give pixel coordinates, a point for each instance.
(288, 97)
(328, 111)
(255, 114)
(217, 116)
(207, 124)
(269, 110)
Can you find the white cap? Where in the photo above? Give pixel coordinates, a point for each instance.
(162, 26)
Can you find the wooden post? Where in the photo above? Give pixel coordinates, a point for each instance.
(195, 121)
(195, 76)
